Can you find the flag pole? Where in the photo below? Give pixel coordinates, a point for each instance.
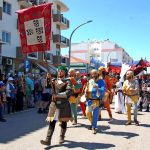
(48, 69)
(45, 59)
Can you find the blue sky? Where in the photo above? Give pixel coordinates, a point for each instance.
(125, 22)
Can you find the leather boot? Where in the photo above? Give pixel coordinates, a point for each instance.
(74, 122)
(62, 136)
(47, 141)
(136, 123)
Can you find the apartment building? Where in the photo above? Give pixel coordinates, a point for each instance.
(8, 33)
(12, 57)
(112, 52)
(100, 51)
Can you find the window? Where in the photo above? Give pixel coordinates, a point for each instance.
(7, 8)
(58, 9)
(34, 2)
(96, 49)
(41, 1)
(48, 57)
(6, 37)
(57, 53)
(33, 55)
(63, 60)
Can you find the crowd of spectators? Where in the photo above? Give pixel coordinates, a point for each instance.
(23, 92)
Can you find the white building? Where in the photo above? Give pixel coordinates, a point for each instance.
(8, 32)
(12, 58)
(111, 52)
(105, 51)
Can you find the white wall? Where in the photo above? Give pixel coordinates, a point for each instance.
(95, 49)
(9, 24)
(1, 3)
(113, 56)
(107, 44)
(80, 47)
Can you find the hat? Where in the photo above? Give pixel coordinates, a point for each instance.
(71, 70)
(10, 79)
(101, 69)
(1, 84)
(63, 68)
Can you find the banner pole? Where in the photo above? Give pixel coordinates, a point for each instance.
(48, 70)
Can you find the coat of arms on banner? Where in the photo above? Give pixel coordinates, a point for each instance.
(35, 28)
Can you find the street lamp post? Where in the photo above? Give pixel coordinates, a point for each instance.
(71, 38)
(107, 57)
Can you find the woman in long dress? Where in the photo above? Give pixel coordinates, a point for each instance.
(119, 97)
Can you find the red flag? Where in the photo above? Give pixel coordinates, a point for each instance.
(148, 64)
(137, 69)
(115, 69)
(35, 28)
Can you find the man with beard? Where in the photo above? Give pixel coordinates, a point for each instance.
(131, 91)
(94, 93)
(59, 109)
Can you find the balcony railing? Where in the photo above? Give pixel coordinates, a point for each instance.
(56, 60)
(62, 41)
(60, 60)
(24, 3)
(65, 61)
(63, 6)
(1, 13)
(62, 21)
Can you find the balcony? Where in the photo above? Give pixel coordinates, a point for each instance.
(63, 6)
(62, 41)
(60, 60)
(62, 21)
(24, 3)
(65, 61)
(1, 13)
(56, 60)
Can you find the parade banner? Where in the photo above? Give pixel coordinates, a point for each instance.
(34, 25)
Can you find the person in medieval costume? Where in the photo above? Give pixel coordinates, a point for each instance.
(74, 98)
(131, 90)
(106, 78)
(94, 93)
(59, 109)
(119, 97)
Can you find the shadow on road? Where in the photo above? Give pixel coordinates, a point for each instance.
(127, 135)
(21, 124)
(145, 125)
(100, 128)
(118, 122)
(85, 145)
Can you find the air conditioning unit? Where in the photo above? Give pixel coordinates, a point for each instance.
(9, 61)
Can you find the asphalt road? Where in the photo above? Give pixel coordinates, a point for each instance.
(23, 131)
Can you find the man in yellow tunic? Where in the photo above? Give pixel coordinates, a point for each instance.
(131, 91)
